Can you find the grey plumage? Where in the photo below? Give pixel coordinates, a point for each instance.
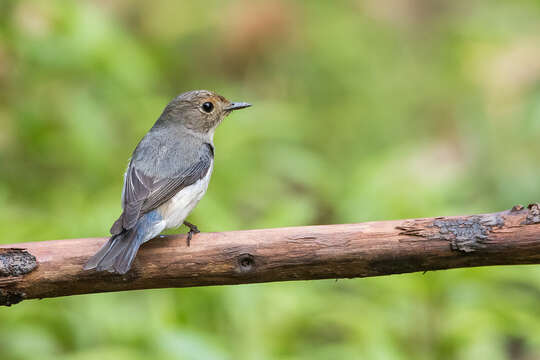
(174, 155)
(152, 178)
(118, 253)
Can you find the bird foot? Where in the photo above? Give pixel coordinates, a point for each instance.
(193, 229)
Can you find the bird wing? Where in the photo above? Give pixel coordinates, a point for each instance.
(144, 193)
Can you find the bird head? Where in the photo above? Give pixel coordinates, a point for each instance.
(200, 111)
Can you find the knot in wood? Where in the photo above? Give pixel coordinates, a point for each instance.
(246, 262)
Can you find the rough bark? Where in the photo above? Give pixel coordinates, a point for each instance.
(54, 268)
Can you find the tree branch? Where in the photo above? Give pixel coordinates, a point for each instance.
(54, 268)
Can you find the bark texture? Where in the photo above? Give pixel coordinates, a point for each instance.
(54, 268)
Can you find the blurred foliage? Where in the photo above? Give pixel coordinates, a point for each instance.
(363, 110)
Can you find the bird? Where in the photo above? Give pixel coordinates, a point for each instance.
(167, 175)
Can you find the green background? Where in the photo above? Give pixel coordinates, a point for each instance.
(363, 110)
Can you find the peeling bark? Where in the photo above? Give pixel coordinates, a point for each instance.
(16, 262)
(467, 234)
(533, 216)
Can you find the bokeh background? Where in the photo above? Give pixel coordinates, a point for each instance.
(363, 110)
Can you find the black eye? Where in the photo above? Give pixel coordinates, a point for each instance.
(208, 107)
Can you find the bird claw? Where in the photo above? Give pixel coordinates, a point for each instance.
(193, 229)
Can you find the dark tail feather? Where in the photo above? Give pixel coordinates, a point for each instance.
(94, 261)
(117, 254)
(123, 261)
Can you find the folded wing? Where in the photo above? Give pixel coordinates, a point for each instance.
(144, 193)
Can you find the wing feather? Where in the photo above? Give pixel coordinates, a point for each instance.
(144, 193)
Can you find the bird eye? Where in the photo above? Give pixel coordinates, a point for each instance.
(208, 107)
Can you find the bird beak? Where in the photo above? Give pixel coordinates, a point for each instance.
(237, 106)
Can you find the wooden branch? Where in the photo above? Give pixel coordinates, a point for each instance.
(54, 268)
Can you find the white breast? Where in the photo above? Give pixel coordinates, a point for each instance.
(175, 211)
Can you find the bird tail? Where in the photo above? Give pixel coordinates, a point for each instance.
(117, 255)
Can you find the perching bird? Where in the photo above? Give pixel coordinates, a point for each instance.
(166, 177)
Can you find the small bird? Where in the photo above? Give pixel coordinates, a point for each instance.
(166, 177)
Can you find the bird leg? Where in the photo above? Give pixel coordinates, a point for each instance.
(193, 229)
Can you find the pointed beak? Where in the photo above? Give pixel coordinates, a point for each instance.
(237, 106)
